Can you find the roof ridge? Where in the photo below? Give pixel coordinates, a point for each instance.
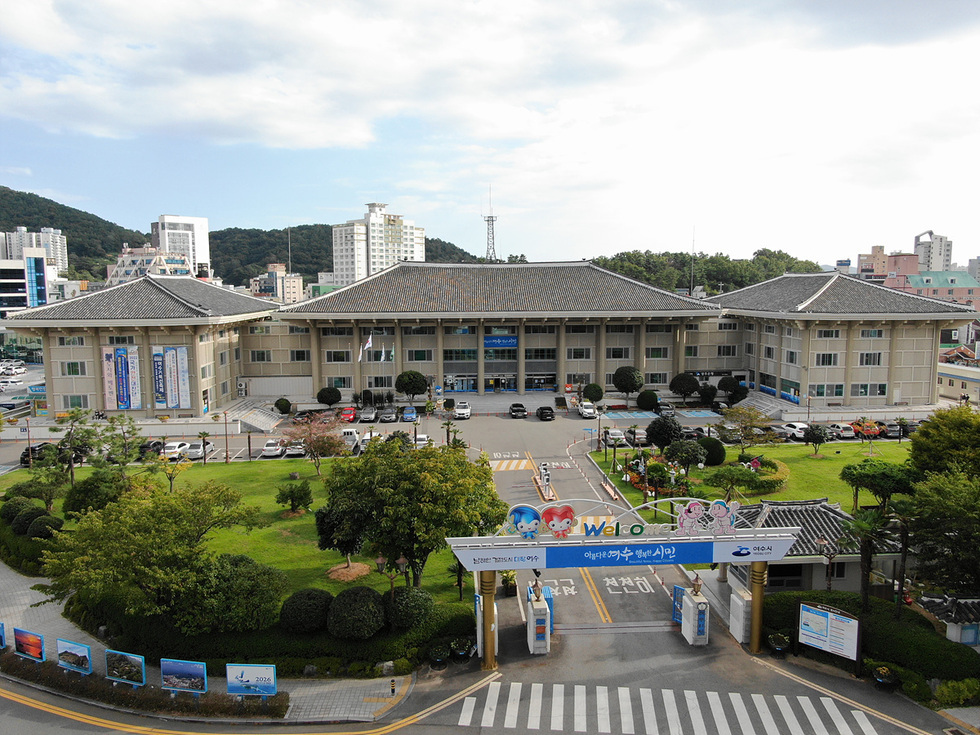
(152, 278)
(819, 292)
(931, 300)
(682, 297)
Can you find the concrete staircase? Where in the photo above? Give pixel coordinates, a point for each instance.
(767, 405)
(254, 417)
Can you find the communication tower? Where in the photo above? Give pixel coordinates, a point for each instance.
(490, 219)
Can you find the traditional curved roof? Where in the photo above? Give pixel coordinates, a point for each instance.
(513, 288)
(150, 298)
(832, 292)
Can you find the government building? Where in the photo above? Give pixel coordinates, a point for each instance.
(177, 346)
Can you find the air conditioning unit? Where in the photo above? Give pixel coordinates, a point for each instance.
(242, 385)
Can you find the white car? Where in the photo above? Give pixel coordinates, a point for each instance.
(197, 450)
(586, 410)
(15, 370)
(6, 382)
(421, 440)
(174, 450)
(796, 429)
(841, 431)
(273, 448)
(462, 410)
(295, 449)
(615, 437)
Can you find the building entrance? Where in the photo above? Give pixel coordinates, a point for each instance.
(500, 384)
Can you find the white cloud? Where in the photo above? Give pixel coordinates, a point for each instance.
(15, 170)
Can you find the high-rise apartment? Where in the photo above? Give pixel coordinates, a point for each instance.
(935, 252)
(187, 236)
(54, 243)
(375, 242)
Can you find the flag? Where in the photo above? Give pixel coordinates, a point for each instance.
(382, 352)
(367, 346)
(360, 355)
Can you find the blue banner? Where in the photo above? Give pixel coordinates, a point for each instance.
(490, 342)
(159, 379)
(122, 378)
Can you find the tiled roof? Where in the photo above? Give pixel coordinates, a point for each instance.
(830, 293)
(815, 519)
(151, 298)
(412, 287)
(952, 610)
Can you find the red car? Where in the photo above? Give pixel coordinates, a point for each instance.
(349, 414)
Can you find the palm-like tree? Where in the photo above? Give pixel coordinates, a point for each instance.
(901, 514)
(203, 436)
(868, 528)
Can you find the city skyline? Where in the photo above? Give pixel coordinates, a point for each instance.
(820, 130)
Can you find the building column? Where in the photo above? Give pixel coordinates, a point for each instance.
(316, 357)
(936, 344)
(600, 358)
(680, 343)
(440, 363)
(356, 385)
(639, 344)
(892, 358)
(561, 351)
(521, 357)
(398, 360)
(849, 362)
(480, 363)
(488, 589)
(805, 363)
(780, 338)
(757, 581)
(99, 377)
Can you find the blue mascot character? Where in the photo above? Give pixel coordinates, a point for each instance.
(526, 520)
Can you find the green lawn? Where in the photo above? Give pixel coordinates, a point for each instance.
(290, 544)
(810, 477)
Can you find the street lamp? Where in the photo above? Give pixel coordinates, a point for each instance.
(401, 562)
(227, 457)
(598, 436)
(829, 550)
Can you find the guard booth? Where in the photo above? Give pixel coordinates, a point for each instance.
(590, 533)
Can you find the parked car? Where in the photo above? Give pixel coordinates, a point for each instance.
(587, 410)
(841, 431)
(779, 432)
(273, 448)
(545, 413)
(409, 413)
(518, 411)
(367, 414)
(14, 370)
(796, 429)
(175, 450)
(421, 440)
(893, 430)
(198, 449)
(309, 414)
(462, 410)
(637, 437)
(349, 414)
(10, 381)
(387, 415)
(667, 409)
(34, 452)
(614, 437)
(151, 448)
(295, 449)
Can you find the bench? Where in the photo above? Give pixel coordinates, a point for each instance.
(610, 490)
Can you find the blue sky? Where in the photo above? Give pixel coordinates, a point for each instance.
(819, 127)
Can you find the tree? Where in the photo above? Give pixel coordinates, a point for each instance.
(627, 379)
(95, 492)
(296, 495)
(49, 479)
(685, 453)
(945, 531)
(593, 392)
(868, 527)
(143, 551)
(328, 395)
(203, 436)
(901, 512)
(319, 438)
(728, 384)
(283, 405)
(171, 469)
(412, 383)
(745, 425)
(707, 393)
(121, 438)
(414, 500)
(648, 400)
(948, 441)
(684, 385)
(730, 478)
(739, 393)
(816, 435)
(79, 440)
(882, 479)
(663, 431)
(341, 525)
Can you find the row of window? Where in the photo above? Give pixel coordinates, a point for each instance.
(820, 359)
(858, 390)
(129, 339)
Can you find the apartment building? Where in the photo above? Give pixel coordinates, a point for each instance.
(180, 235)
(368, 245)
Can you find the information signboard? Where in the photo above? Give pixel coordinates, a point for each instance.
(252, 679)
(829, 629)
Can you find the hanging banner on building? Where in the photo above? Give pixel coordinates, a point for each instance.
(171, 377)
(109, 376)
(135, 382)
(121, 378)
(183, 379)
(159, 379)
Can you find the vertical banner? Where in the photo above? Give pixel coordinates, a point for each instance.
(170, 355)
(109, 376)
(135, 381)
(3, 637)
(122, 378)
(184, 378)
(159, 379)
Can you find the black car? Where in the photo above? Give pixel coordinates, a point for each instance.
(34, 452)
(149, 448)
(518, 411)
(545, 413)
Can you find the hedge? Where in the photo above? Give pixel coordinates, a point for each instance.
(13, 505)
(357, 612)
(20, 552)
(43, 527)
(25, 518)
(410, 606)
(305, 611)
(715, 453)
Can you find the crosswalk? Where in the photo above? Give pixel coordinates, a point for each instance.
(559, 707)
(504, 465)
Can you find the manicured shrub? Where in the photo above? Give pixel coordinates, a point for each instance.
(25, 518)
(94, 492)
(958, 693)
(13, 506)
(409, 607)
(283, 405)
(328, 395)
(44, 527)
(648, 400)
(715, 451)
(773, 479)
(449, 404)
(357, 612)
(305, 611)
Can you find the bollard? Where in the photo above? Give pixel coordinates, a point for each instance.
(393, 687)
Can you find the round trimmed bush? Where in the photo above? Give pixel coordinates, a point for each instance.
(305, 611)
(715, 449)
(283, 405)
(25, 518)
(44, 527)
(328, 395)
(13, 506)
(410, 607)
(357, 612)
(648, 400)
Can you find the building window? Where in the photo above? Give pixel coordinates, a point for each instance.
(617, 353)
(872, 333)
(540, 329)
(573, 378)
(769, 329)
(655, 378)
(207, 371)
(202, 338)
(127, 340)
(827, 390)
(963, 384)
(69, 402)
(71, 341)
(260, 329)
(260, 356)
(225, 387)
(692, 326)
(749, 326)
(728, 326)
(792, 357)
(789, 332)
(861, 390)
(238, 354)
(506, 329)
(299, 356)
(825, 359)
(410, 331)
(380, 381)
(460, 330)
(337, 331)
(341, 382)
(727, 351)
(656, 353)
(691, 351)
(541, 353)
(336, 356)
(769, 352)
(749, 348)
(223, 358)
(579, 353)
(869, 358)
(459, 355)
(299, 330)
(619, 329)
(71, 369)
(660, 328)
(378, 331)
(579, 329)
(500, 355)
(418, 355)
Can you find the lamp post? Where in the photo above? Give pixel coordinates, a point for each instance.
(227, 454)
(829, 550)
(30, 456)
(401, 562)
(598, 436)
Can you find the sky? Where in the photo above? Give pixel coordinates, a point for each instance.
(818, 127)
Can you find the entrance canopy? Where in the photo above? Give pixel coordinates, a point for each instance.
(584, 533)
